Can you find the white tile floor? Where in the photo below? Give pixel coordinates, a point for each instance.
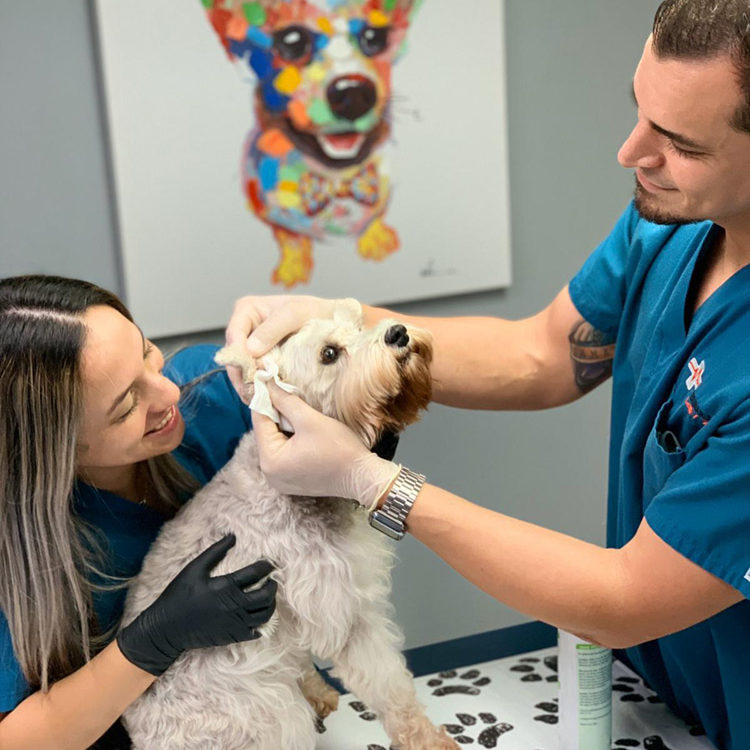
(511, 704)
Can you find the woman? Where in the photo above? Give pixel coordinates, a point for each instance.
(94, 456)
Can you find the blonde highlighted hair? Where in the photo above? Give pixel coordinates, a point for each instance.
(47, 555)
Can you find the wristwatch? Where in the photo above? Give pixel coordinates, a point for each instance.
(391, 516)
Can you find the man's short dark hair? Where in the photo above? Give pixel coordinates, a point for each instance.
(702, 29)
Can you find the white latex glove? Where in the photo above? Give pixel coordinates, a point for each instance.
(261, 322)
(323, 458)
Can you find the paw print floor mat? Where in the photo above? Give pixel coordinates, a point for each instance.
(511, 704)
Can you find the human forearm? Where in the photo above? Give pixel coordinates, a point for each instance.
(479, 362)
(549, 576)
(615, 597)
(78, 709)
(490, 363)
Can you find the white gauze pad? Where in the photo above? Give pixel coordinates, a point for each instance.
(261, 401)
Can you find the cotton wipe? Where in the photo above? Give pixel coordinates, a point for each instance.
(261, 401)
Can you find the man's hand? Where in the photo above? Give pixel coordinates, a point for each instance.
(323, 458)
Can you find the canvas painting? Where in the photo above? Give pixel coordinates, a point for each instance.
(328, 147)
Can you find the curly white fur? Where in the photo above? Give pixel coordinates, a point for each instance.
(333, 572)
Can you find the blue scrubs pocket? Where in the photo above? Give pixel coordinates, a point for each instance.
(663, 453)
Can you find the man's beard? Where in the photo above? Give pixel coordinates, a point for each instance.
(653, 213)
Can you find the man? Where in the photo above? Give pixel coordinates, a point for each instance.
(664, 306)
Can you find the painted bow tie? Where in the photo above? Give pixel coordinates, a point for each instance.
(317, 191)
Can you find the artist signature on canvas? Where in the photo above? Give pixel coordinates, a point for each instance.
(432, 269)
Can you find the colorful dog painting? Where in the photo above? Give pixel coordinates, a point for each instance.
(314, 166)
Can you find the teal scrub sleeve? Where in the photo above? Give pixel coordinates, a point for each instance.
(13, 686)
(599, 289)
(702, 508)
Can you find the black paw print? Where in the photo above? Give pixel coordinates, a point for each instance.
(654, 742)
(528, 668)
(488, 736)
(363, 712)
(550, 709)
(473, 677)
(627, 686)
(366, 715)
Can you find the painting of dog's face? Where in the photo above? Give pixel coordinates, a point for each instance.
(333, 147)
(322, 94)
(323, 68)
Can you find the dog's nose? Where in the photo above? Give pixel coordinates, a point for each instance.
(397, 336)
(351, 96)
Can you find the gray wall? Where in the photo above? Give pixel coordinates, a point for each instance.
(569, 68)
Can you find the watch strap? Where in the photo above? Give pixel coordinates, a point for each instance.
(390, 518)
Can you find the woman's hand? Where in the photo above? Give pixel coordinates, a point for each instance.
(197, 610)
(323, 458)
(261, 322)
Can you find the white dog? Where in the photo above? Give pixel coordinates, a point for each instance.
(333, 570)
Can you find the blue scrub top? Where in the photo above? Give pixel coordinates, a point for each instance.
(215, 420)
(680, 446)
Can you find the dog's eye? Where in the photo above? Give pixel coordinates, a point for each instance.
(373, 40)
(329, 354)
(293, 43)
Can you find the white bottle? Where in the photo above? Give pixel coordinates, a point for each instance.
(585, 674)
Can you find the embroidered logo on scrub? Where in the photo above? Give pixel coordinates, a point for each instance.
(696, 374)
(693, 382)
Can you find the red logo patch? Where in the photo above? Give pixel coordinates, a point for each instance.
(696, 374)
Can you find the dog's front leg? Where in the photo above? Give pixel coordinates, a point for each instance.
(318, 693)
(373, 668)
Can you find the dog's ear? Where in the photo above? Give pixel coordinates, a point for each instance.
(238, 24)
(348, 310)
(408, 7)
(237, 356)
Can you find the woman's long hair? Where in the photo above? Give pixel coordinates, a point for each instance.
(45, 560)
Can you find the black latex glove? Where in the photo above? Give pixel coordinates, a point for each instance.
(196, 610)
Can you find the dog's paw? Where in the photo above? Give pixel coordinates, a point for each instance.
(319, 694)
(324, 703)
(428, 737)
(378, 241)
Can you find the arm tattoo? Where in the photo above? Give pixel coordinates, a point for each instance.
(592, 353)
